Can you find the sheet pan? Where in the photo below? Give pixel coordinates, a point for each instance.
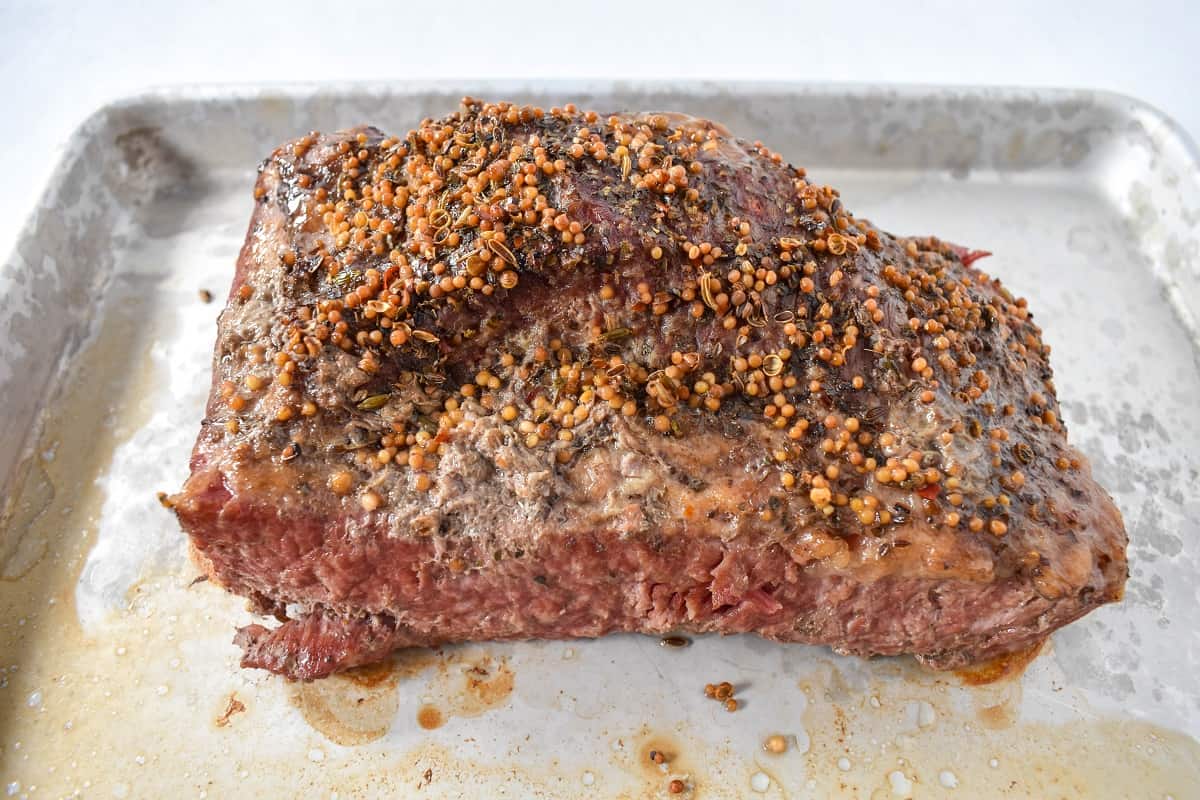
(117, 673)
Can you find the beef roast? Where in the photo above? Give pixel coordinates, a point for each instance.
(541, 374)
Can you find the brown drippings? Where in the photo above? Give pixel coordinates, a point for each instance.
(673, 760)
(467, 683)
(656, 743)
(429, 718)
(49, 521)
(997, 705)
(372, 675)
(55, 496)
(998, 717)
(412, 661)
(659, 758)
(353, 708)
(1010, 665)
(977, 735)
(233, 706)
(23, 541)
(487, 684)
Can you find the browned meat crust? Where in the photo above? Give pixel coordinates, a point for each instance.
(551, 374)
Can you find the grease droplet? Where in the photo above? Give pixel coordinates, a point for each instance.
(843, 764)
(948, 779)
(588, 779)
(760, 782)
(901, 785)
(429, 718)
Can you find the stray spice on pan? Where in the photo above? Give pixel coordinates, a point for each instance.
(723, 693)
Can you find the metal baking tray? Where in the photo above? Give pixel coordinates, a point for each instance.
(117, 674)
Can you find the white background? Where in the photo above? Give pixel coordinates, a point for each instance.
(59, 61)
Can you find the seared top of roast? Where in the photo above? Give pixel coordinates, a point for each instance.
(512, 320)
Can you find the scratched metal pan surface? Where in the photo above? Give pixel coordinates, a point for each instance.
(118, 677)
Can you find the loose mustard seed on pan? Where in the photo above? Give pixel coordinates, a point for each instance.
(723, 693)
(775, 743)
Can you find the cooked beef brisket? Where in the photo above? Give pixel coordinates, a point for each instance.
(526, 374)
